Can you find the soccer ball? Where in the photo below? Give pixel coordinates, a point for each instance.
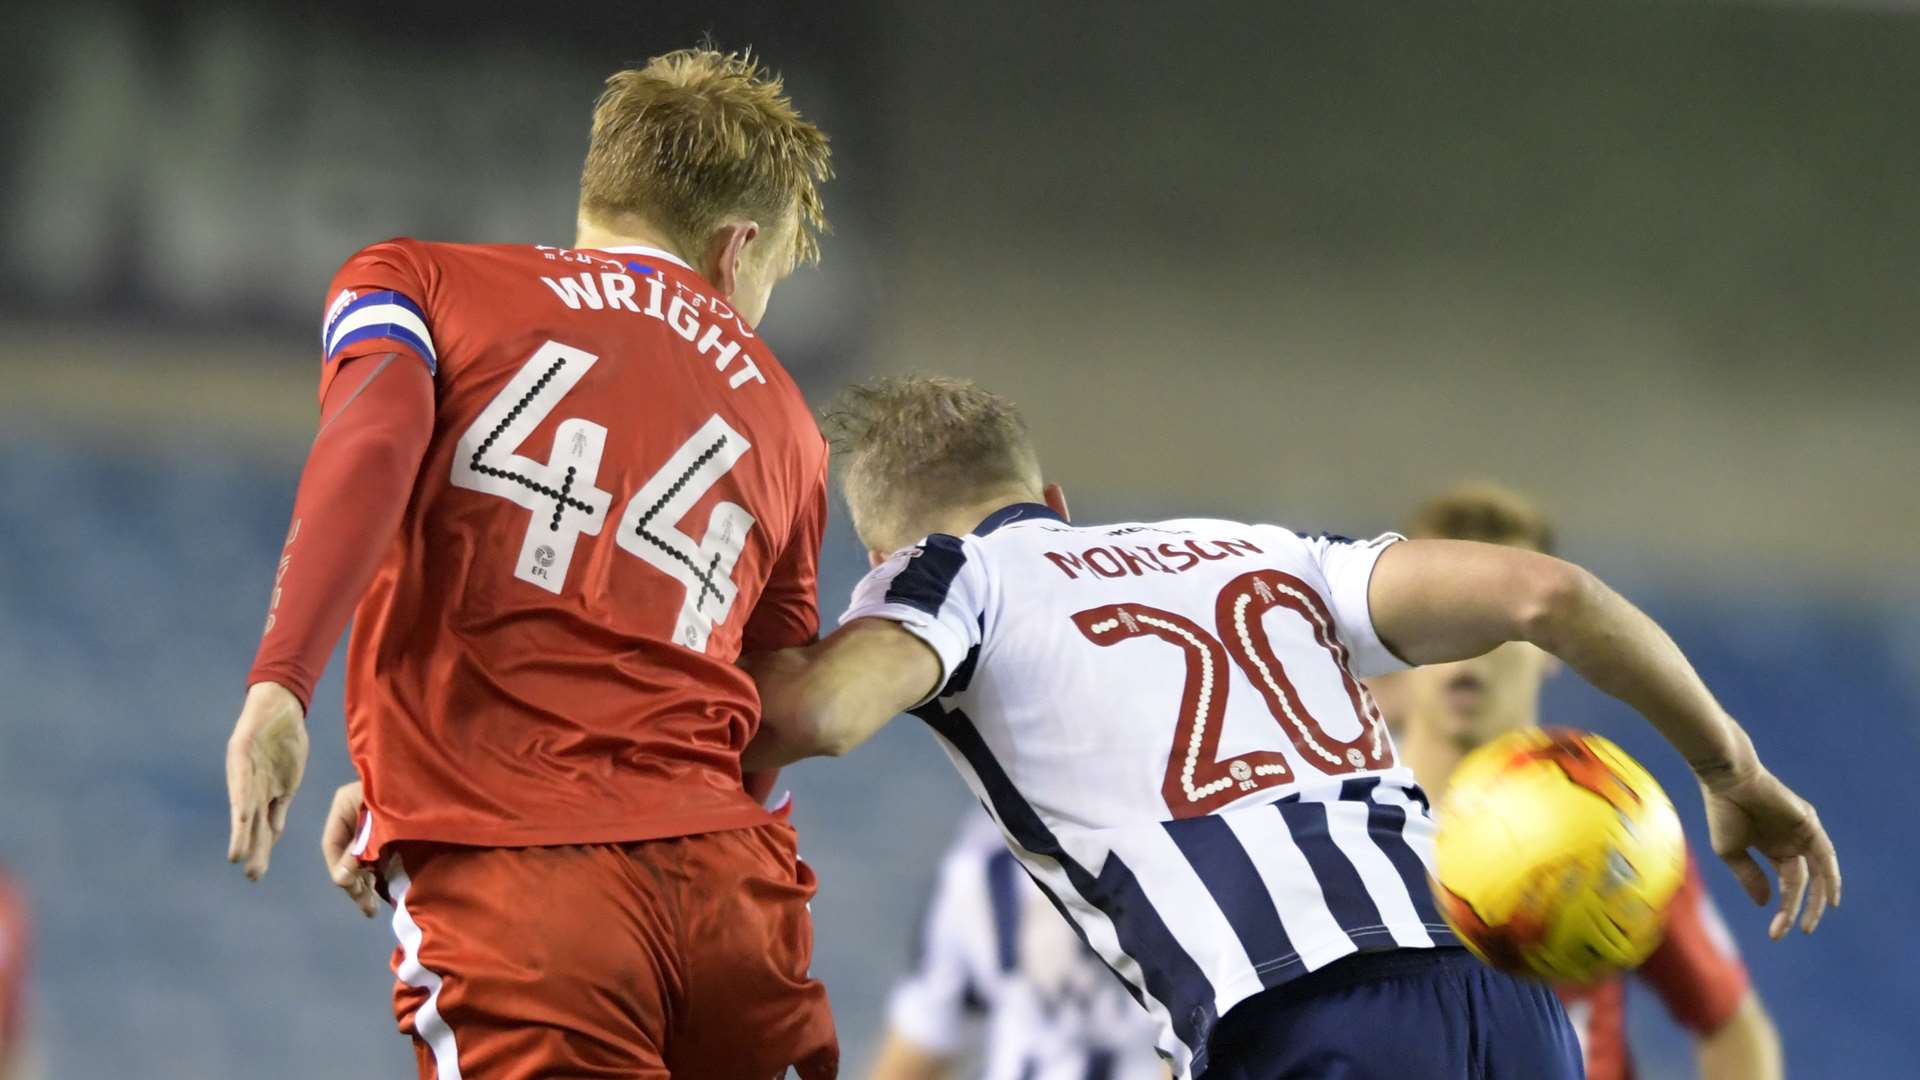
(1556, 855)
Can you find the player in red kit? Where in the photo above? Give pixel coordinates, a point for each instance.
(1443, 711)
(560, 491)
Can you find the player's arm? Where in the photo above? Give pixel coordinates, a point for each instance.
(1438, 600)
(1745, 1047)
(827, 698)
(912, 622)
(787, 614)
(377, 418)
(901, 1058)
(1699, 976)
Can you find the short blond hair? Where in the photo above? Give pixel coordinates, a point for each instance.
(1486, 512)
(698, 135)
(911, 447)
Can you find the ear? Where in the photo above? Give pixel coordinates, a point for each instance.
(1056, 500)
(875, 557)
(725, 248)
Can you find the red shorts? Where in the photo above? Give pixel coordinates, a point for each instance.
(683, 957)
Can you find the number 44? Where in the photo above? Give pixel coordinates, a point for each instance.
(565, 504)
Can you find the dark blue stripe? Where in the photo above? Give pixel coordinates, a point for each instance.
(1171, 974)
(1100, 1065)
(972, 1001)
(917, 946)
(393, 332)
(1387, 824)
(1346, 894)
(927, 577)
(1225, 868)
(1016, 512)
(1002, 891)
(962, 676)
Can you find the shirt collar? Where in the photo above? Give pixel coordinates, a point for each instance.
(1027, 511)
(650, 252)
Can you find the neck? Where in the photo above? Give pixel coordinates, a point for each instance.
(626, 231)
(960, 520)
(1433, 756)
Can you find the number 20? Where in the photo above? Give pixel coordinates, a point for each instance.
(566, 505)
(1197, 782)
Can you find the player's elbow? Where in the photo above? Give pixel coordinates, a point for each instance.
(1551, 596)
(803, 706)
(826, 723)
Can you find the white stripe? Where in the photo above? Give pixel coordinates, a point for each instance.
(651, 252)
(365, 834)
(1418, 831)
(376, 315)
(1309, 922)
(1191, 913)
(427, 1022)
(1347, 824)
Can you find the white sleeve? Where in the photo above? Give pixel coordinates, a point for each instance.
(1347, 566)
(937, 590)
(942, 1005)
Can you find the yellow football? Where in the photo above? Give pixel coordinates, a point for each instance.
(1556, 855)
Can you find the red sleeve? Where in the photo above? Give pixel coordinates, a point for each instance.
(13, 970)
(1696, 970)
(788, 611)
(376, 420)
(377, 304)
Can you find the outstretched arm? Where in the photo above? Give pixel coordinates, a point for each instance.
(829, 697)
(1439, 600)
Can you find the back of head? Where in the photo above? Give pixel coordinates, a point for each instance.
(1485, 512)
(698, 136)
(914, 449)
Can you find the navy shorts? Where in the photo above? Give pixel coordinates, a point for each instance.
(1412, 1014)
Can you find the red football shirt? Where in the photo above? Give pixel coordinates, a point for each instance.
(622, 490)
(1696, 971)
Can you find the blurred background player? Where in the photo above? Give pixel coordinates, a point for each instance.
(565, 489)
(1002, 989)
(1441, 712)
(14, 965)
(1261, 887)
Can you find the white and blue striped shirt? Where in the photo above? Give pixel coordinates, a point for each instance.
(1166, 722)
(1001, 980)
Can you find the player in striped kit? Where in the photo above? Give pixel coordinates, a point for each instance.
(1002, 989)
(1112, 694)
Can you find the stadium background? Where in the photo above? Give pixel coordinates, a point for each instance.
(1653, 263)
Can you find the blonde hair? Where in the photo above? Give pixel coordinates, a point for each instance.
(1485, 512)
(698, 135)
(912, 447)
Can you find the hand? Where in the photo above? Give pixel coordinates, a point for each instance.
(266, 758)
(1754, 810)
(343, 824)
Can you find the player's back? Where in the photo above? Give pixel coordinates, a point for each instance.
(1166, 722)
(622, 488)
